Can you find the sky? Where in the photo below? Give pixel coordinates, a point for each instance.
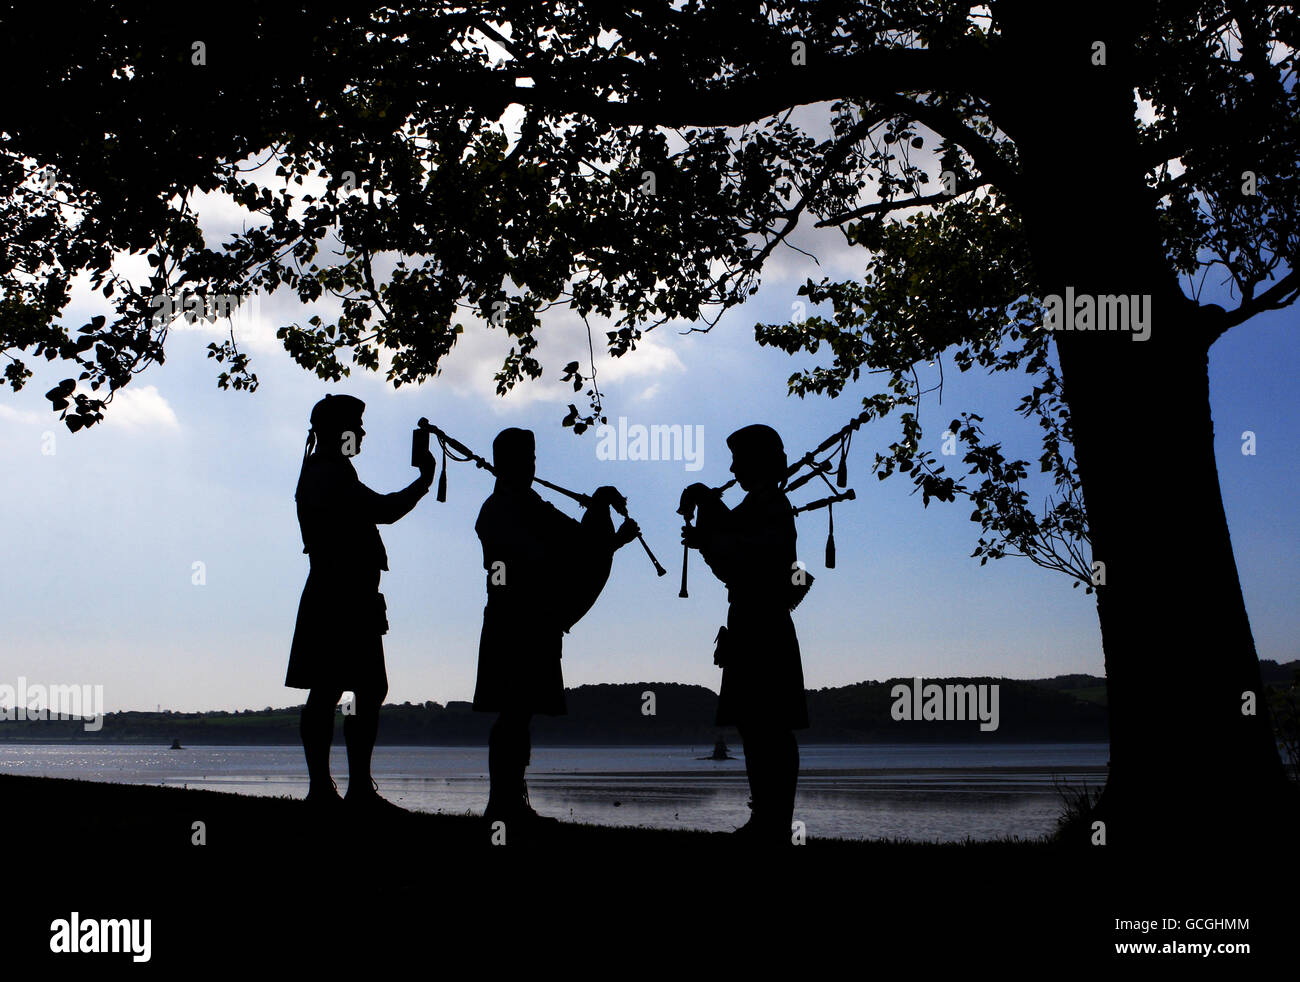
(105, 527)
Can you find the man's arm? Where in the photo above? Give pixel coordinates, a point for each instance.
(713, 534)
(384, 509)
(735, 549)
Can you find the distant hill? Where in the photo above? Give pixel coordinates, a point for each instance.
(1275, 673)
(1028, 711)
(1063, 708)
(613, 714)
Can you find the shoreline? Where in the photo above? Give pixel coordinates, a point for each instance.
(160, 819)
(556, 746)
(272, 874)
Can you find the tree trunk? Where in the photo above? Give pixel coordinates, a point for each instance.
(1189, 719)
(1192, 751)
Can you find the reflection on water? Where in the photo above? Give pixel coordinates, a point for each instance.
(912, 791)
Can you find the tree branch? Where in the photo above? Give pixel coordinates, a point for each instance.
(951, 126)
(1281, 294)
(830, 164)
(882, 207)
(664, 99)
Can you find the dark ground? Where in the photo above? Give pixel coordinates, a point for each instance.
(273, 885)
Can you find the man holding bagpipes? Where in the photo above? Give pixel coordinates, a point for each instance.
(338, 638)
(544, 571)
(751, 548)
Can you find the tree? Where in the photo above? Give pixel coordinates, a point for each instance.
(658, 163)
(1284, 700)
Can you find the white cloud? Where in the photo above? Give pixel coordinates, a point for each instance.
(832, 257)
(255, 321)
(470, 368)
(141, 408)
(1146, 109)
(652, 358)
(18, 415)
(221, 217)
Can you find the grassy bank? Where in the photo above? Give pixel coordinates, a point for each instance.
(145, 819)
(275, 879)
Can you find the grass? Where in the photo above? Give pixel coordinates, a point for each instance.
(1078, 804)
(273, 878)
(149, 819)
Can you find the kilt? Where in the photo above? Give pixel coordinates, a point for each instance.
(338, 638)
(519, 664)
(762, 677)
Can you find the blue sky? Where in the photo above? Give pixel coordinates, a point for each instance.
(104, 532)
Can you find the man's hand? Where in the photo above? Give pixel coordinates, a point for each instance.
(695, 495)
(691, 536)
(427, 465)
(628, 531)
(609, 497)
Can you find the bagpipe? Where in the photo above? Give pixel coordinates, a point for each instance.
(453, 449)
(838, 444)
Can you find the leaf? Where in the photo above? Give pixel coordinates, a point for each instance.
(61, 392)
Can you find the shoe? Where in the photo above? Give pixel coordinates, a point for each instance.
(361, 798)
(747, 831)
(517, 810)
(323, 800)
(761, 833)
(532, 815)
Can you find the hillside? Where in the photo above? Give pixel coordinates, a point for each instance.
(1065, 708)
(613, 714)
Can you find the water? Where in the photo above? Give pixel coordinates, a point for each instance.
(922, 792)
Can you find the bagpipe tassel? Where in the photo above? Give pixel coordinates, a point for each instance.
(442, 476)
(842, 474)
(830, 539)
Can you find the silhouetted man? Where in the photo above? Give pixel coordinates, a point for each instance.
(751, 548)
(544, 571)
(338, 641)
